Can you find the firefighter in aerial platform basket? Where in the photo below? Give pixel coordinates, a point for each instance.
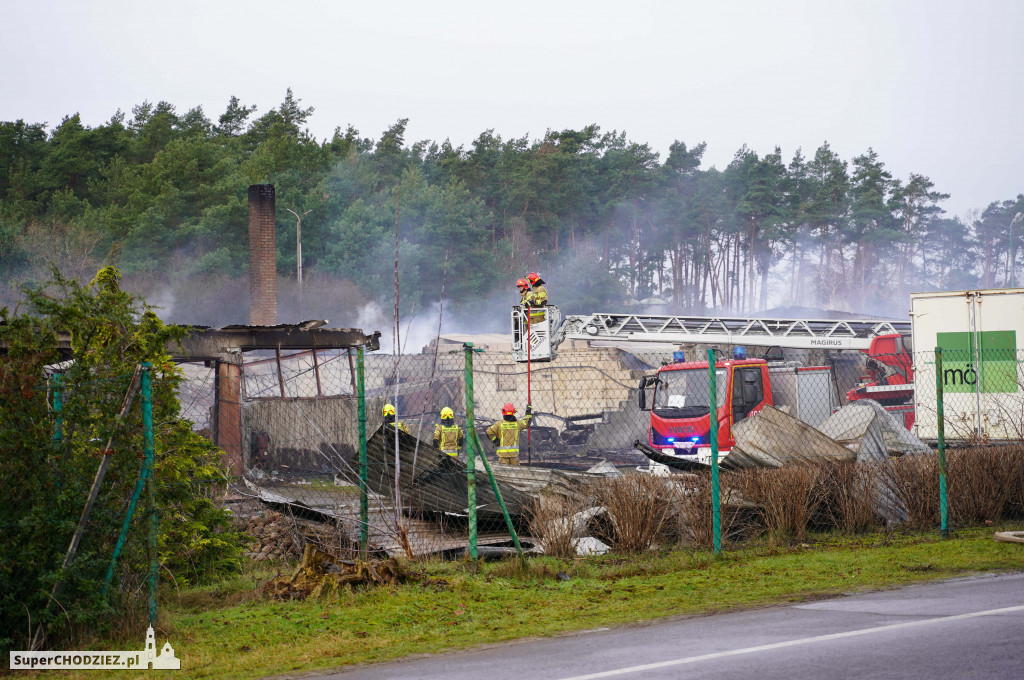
(505, 433)
(448, 436)
(538, 298)
(389, 418)
(524, 293)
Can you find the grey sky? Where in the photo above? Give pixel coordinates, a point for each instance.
(935, 87)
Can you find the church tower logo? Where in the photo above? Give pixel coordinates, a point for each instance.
(164, 660)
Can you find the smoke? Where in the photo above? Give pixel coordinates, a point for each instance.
(164, 301)
(417, 331)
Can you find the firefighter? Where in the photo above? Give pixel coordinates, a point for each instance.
(539, 295)
(538, 298)
(524, 292)
(505, 433)
(389, 418)
(448, 436)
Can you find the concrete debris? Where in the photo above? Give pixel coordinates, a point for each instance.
(575, 526)
(273, 536)
(588, 545)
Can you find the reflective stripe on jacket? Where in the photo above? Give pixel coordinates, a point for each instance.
(449, 438)
(505, 433)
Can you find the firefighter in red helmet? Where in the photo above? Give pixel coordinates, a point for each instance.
(540, 293)
(505, 433)
(538, 297)
(525, 296)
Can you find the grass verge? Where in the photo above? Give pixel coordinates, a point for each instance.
(227, 631)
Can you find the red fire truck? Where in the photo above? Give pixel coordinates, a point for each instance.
(680, 409)
(678, 394)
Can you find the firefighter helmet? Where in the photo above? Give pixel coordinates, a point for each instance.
(534, 278)
(522, 284)
(447, 413)
(388, 410)
(508, 410)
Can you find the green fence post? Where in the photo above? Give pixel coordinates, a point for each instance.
(471, 453)
(143, 476)
(939, 398)
(58, 426)
(497, 494)
(58, 407)
(146, 385)
(716, 512)
(364, 502)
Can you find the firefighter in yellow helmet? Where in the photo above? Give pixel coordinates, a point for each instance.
(538, 297)
(389, 418)
(448, 436)
(505, 433)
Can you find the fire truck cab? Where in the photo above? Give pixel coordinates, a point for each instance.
(680, 394)
(680, 413)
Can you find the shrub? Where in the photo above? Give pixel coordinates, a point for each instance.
(850, 495)
(980, 483)
(786, 497)
(46, 480)
(695, 514)
(915, 479)
(555, 521)
(1015, 465)
(639, 509)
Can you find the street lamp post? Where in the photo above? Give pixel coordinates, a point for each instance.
(298, 252)
(1013, 262)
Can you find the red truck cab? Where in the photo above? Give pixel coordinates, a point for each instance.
(680, 413)
(890, 377)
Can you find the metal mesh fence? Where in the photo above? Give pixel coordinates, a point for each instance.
(599, 448)
(105, 483)
(841, 440)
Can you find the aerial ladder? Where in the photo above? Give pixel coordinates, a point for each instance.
(835, 334)
(885, 341)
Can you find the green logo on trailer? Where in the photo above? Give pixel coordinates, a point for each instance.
(997, 355)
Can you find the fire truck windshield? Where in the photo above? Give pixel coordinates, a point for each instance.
(685, 393)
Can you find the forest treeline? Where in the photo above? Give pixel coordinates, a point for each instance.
(607, 220)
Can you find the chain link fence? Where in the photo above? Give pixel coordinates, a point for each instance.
(810, 440)
(605, 449)
(107, 487)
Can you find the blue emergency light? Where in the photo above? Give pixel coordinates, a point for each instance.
(739, 352)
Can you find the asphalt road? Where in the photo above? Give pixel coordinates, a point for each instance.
(965, 628)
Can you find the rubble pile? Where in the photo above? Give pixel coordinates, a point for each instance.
(275, 537)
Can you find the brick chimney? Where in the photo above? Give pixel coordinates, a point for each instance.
(262, 256)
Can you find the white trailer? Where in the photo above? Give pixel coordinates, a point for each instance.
(978, 331)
